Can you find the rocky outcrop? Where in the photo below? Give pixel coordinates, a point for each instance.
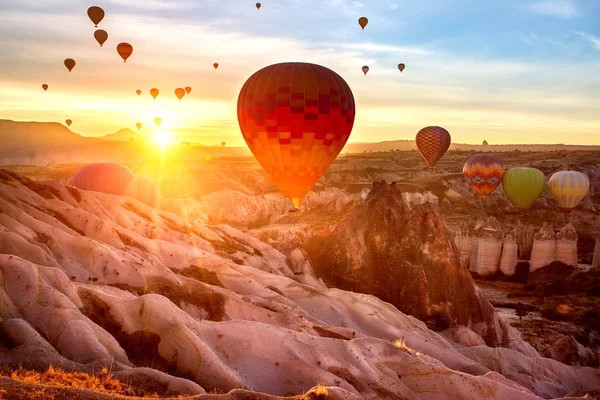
(544, 248)
(596, 258)
(509, 260)
(407, 258)
(569, 351)
(487, 252)
(566, 246)
(463, 241)
(525, 237)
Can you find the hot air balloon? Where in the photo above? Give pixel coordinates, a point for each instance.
(363, 21)
(147, 191)
(106, 178)
(154, 92)
(70, 64)
(295, 118)
(523, 185)
(568, 188)
(139, 125)
(45, 87)
(101, 36)
(96, 14)
(124, 50)
(138, 92)
(365, 69)
(258, 5)
(216, 65)
(69, 122)
(223, 144)
(188, 89)
(484, 173)
(401, 67)
(180, 92)
(433, 142)
(158, 121)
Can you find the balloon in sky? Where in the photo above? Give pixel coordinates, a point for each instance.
(154, 92)
(433, 142)
(401, 67)
(45, 87)
(96, 14)
(216, 65)
(258, 5)
(523, 185)
(138, 92)
(158, 121)
(484, 173)
(363, 21)
(139, 125)
(69, 122)
(223, 144)
(107, 178)
(568, 188)
(124, 50)
(147, 191)
(180, 92)
(188, 89)
(70, 64)
(365, 69)
(101, 36)
(295, 118)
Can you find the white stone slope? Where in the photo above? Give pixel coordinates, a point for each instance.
(90, 279)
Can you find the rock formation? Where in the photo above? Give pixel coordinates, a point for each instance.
(485, 261)
(566, 246)
(525, 235)
(543, 251)
(463, 241)
(509, 260)
(596, 258)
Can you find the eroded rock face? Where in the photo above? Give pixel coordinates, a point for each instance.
(407, 258)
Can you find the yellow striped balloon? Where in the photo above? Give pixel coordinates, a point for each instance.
(568, 188)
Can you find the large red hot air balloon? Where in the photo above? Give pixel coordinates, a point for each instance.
(483, 172)
(147, 191)
(295, 118)
(433, 142)
(124, 50)
(107, 178)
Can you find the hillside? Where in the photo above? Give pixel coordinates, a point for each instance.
(122, 135)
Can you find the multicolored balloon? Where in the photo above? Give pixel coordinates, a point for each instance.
(180, 92)
(45, 87)
(154, 92)
(70, 64)
(101, 36)
(568, 188)
(106, 178)
(96, 14)
(68, 122)
(365, 69)
(433, 142)
(401, 67)
(363, 21)
(124, 50)
(483, 172)
(295, 118)
(523, 186)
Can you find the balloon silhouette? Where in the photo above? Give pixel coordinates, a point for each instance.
(96, 14)
(523, 186)
(158, 121)
(180, 92)
(216, 65)
(124, 50)
(568, 188)
(223, 144)
(258, 5)
(433, 142)
(69, 122)
(365, 69)
(45, 87)
(401, 67)
(138, 92)
(363, 21)
(295, 118)
(70, 64)
(188, 89)
(106, 178)
(154, 92)
(484, 173)
(139, 125)
(101, 36)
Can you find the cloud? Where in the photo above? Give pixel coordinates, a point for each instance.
(594, 40)
(555, 8)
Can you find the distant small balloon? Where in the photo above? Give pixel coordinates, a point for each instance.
(401, 67)
(101, 36)
(96, 14)
(258, 5)
(70, 64)
(138, 92)
(180, 92)
(216, 65)
(158, 121)
(363, 21)
(154, 92)
(69, 122)
(365, 69)
(124, 50)
(188, 89)
(223, 144)
(139, 125)
(45, 87)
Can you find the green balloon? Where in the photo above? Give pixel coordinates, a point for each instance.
(523, 185)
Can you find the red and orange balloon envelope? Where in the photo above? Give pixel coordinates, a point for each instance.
(106, 178)
(138, 92)
(483, 173)
(433, 142)
(258, 5)
(365, 69)
(188, 89)
(139, 125)
(216, 65)
(363, 21)
(96, 14)
(401, 67)
(101, 36)
(69, 122)
(70, 64)
(124, 50)
(45, 87)
(295, 118)
(154, 92)
(180, 92)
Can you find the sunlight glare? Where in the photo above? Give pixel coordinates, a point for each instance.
(163, 139)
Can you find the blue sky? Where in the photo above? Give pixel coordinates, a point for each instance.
(505, 71)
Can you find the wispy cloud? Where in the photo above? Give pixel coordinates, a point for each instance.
(555, 8)
(594, 40)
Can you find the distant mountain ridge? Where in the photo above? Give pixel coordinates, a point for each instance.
(122, 135)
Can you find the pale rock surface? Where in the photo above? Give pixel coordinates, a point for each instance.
(509, 260)
(566, 246)
(485, 261)
(544, 249)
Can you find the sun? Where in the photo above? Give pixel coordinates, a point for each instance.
(163, 139)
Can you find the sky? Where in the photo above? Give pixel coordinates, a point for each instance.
(511, 71)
